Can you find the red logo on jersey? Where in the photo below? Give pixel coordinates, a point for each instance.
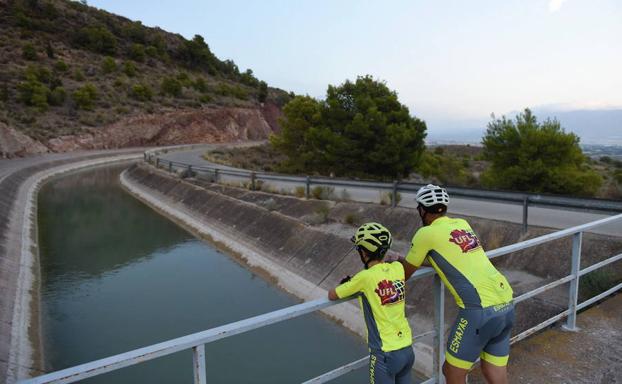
(467, 241)
(387, 292)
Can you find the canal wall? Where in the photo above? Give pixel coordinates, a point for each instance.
(300, 245)
(21, 354)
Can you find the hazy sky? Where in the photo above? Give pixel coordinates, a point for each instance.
(448, 60)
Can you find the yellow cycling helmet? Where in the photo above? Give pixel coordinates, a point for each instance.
(374, 237)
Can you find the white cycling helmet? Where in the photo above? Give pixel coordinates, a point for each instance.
(431, 195)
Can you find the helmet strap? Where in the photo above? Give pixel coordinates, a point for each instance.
(422, 216)
(365, 262)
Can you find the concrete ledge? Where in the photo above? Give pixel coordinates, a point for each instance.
(20, 337)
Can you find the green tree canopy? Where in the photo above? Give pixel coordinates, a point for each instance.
(361, 129)
(536, 157)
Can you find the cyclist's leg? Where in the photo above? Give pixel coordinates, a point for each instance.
(463, 345)
(497, 350)
(494, 374)
(406, 359)
(378, 369)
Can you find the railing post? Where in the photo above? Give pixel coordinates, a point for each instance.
(170, 166)
(394, 195)
(525, 213)
(253, 178)
(439, 321)
(308, 187)
(198, 357)
(189, 173)
(573, 293)
(157, 162)
(215, 175)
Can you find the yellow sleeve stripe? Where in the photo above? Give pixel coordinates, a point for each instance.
(499, 361)
(456, 362)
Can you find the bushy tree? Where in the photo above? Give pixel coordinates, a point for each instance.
(61, 66)
(361, 129)
(109, 65)
(29, 52)
(34, 93)
(57, 96)
(171, 86)
(137, 52)
(263, 91)
(200, 84)
(249, 79)
(85, 96)
(141, 92)
(196, 53)
(526, 155)
(129, 68)
(96, 38)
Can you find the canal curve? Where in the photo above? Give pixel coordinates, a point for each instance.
(116, 276)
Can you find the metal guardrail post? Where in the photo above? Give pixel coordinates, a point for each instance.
(394, 195)
(253, 178)
(439, 321)
(170, 166)
(307, 187)
(189, 171)
(525, 213)
(198, 357)
(573, 293)
(157, 162)
(215, 175)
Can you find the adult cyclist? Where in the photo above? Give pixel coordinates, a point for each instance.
(484, 322)
(382, 291)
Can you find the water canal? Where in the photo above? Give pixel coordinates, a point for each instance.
(117, 276)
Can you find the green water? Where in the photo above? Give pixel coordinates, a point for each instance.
(117, 276)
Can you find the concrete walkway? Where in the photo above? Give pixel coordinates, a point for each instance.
(591, 355)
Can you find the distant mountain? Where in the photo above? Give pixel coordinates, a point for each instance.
(593, 126)
(601, 126)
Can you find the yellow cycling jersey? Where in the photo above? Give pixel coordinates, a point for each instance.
(382, 302)
(456, 254)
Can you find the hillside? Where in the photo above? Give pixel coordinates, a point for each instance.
(75, 77)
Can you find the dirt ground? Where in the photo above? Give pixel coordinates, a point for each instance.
(591, 355)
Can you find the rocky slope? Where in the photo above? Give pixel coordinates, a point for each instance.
(76, 77)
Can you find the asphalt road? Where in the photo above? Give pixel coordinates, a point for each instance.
(540, 216)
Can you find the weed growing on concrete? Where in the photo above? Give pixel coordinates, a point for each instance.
(299, 192)
(386, 198)
(322, 193)
(352, 219)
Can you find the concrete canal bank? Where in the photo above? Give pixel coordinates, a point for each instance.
(300, 244)
(20, 343)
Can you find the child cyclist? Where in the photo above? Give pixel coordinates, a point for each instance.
(381, 286)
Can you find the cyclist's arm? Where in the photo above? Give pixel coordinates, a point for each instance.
(349, 288)
(409, 269)
(415, 256)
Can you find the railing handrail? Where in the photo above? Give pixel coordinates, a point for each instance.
(200, 338)
(508, 196)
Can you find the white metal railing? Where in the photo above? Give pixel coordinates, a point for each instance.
(197, 341)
